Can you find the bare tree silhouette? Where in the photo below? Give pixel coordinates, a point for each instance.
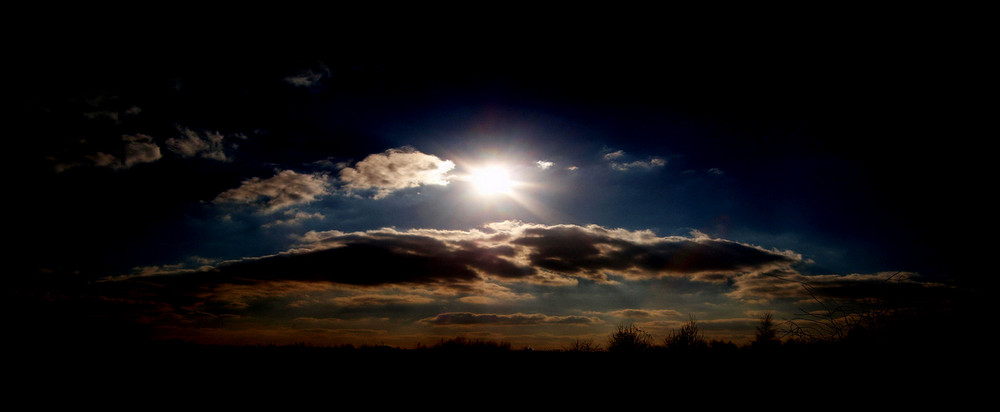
(583, 345)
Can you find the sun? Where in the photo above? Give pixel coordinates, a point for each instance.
(491, 180)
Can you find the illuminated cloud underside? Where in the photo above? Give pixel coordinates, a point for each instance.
(396, 169)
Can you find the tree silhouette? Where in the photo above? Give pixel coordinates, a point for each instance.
(687, 338)
(767, 333)
(629, 338)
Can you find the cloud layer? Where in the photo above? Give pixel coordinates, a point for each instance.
(405, 277)
(504, 252)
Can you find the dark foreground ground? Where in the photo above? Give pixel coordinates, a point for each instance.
(802, 378)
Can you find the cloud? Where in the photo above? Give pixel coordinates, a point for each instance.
(304, 79)
(595, 252)
(381, 300)
(308, 77)
(396, 169)
(137, 149)
(499, 263)
(516, 319)
(544, 165)
(467, 261)
(646, 313)
(286, 188)
(786, 284)
(102, 113)
(208, 145)
(614, 160)
(294, 217)
(614, 155)
(715, 171)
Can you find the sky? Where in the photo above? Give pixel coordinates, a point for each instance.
(256, 196)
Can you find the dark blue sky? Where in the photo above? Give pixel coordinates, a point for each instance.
(171, 162)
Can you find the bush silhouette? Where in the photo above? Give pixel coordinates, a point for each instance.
(629, 338)
(687, 338)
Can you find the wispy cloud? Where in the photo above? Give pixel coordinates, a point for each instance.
(645, 314)
(294, 217)
(395, 169)
(137, 149)
(518, 319)
(617, 161)
(544, 164)
(791, 285)
(207, 144)
(286, 188)
(381, 300)
(308, 77)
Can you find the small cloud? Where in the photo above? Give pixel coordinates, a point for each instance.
(285, 188)
(638, 164)
(544, 165)
(101, 159)
(396, 169)
(140, 149)
(208, 145)
(614, 155)
(294, 217)
(137, 149)
(715, 171)
(309, 77)
(102, 113)
(304, 79)
(572, 168)
(614, 159)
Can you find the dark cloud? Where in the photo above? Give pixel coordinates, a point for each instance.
(593, 251)
(362, 261)
(390, 268)
(796, 286)
(520, 319)
(506, 251)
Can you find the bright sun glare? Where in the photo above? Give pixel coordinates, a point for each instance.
(491, 181)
